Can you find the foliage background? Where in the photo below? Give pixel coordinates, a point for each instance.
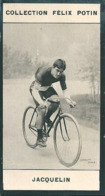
(26, 47)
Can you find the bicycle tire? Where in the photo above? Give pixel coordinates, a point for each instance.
(65, 137)
(33, 133)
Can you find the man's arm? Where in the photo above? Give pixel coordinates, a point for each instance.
(68, 98)
(65, 91)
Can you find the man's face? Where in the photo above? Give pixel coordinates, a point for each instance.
(56, 72)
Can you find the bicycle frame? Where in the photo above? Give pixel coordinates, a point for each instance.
(49, 129)
(32, 119)
(37, 104)
(57, 115)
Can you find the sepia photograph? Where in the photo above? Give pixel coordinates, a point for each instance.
(51, 97)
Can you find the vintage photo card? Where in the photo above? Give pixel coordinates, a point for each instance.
(51, 96)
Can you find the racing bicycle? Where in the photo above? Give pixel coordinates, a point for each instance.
(66, 135)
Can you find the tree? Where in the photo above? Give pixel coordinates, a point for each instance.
(90, 70)
(15, 64)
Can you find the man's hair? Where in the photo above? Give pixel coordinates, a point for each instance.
(60, 64)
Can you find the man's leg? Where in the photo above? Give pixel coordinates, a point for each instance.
(52, 106)
(51, 109)
(41, 111)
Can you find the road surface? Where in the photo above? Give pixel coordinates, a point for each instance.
(16, 153)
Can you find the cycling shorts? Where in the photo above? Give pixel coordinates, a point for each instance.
(48, 93)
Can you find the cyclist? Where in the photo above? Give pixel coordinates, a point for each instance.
(41, 89)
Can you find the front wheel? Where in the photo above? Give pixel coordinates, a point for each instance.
(67, 140)
(29, 130)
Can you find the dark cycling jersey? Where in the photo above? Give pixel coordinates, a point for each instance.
(44, 77)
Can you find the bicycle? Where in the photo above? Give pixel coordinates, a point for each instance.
(67, 137)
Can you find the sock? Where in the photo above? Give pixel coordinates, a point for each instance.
(39, 133)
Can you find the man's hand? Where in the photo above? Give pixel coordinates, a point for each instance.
(43, 104)
(68, 98)
(71, 102)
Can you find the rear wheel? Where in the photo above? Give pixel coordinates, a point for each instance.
(29, 130)
(67, 140)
